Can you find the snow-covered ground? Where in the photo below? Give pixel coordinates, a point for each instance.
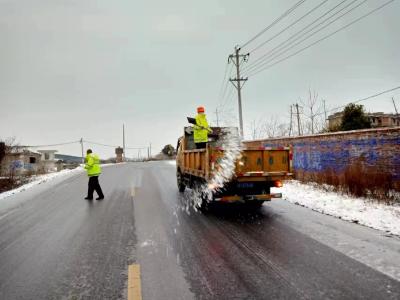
(39, 179)
(358, 210)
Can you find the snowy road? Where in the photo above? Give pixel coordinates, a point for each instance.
(56, 245)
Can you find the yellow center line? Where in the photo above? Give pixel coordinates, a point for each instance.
(134, 283)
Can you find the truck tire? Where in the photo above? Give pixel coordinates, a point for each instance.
(179, 179)
(254, 204)
(205, 205)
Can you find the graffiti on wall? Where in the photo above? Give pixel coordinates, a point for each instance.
(318, 155)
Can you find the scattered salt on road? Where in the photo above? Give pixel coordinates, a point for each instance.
(358, 210)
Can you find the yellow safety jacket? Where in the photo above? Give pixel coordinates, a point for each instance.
(201, 129)
(92, 165)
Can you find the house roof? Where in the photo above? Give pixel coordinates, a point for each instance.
(47, 151)
(24, 152)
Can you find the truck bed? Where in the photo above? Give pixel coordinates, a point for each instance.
(255, 162)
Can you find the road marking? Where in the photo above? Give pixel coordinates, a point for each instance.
(134, 283)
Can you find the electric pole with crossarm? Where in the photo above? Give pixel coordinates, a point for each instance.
(237, 59)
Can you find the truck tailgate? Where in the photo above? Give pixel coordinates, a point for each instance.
(264, 161)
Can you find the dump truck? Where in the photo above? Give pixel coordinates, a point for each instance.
(255, 170)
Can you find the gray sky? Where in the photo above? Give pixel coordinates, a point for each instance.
(72, 69)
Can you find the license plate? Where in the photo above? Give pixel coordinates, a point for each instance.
(245, 185)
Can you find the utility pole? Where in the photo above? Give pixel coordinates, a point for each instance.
(291, 120)
(395, 108)
(216, 113)
(397, 113)
(123, 139)
(298, 118)
(326, 118)
(150, 150)
(236, 59)
(83, 159)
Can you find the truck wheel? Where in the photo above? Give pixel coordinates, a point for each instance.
(204, 206)
(254, 204)
(179, 179)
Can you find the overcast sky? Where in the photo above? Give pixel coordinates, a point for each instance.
(73, 68)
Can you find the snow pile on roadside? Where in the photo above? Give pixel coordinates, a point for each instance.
(358, 210)
(39, 179)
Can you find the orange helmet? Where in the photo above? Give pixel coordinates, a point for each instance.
(200, 109)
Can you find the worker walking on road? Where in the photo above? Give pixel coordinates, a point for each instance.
(201, 129)
(93, 169)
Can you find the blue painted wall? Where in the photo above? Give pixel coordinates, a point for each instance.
(337, 152)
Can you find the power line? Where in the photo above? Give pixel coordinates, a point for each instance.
(100, 144)
(289, 26)
(51, 145)
(290, 10)
(223, 80)
(296, 36)
(112, 146)
(361, 100)
(228, 99)
(275, 54)
(325, 37)
(226, 84)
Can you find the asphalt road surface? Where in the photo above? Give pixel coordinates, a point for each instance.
(56, 245)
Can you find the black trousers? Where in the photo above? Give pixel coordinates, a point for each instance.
(94, 185)
(201, 145)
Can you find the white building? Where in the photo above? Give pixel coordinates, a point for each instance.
(48, 160)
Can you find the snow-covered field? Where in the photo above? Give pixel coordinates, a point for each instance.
(39, 179)
(358, 210)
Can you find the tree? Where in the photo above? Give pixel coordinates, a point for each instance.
(268, 128)
(354, 118)
(313, 107)
(168, 150)
(2, 150)
(7, 146)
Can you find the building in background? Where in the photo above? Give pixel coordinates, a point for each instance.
(378, 119)
(20, 162)
(119, 151)
(381, 119)
(48, 161)
(67, 161)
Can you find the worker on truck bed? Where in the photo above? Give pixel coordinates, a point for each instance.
(201, 129)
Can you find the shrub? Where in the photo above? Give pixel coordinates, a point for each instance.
(358, 180)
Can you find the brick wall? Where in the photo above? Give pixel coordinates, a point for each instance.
(376, 150)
